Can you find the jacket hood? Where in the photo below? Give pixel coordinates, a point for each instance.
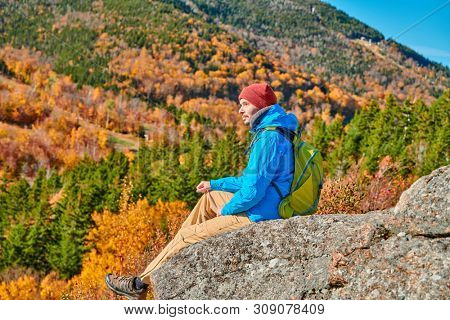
(273, 116)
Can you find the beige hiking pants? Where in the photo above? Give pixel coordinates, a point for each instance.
(201, 224)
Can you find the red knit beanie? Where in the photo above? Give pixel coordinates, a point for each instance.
(259, 94)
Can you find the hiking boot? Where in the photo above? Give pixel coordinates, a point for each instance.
(129, 286)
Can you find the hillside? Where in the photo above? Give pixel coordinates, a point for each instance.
(112, 111)
(158, 71)
(326, 41)
(159, 75)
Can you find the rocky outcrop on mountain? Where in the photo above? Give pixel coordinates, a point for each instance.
(399, 253)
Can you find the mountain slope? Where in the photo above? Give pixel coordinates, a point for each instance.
(80, 78)
(320, 38)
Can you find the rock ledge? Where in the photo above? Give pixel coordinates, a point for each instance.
(399, 253)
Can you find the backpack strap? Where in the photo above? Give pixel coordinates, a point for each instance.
(277, 189)
(288, 134)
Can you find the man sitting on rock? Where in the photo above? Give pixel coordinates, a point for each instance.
(233, 202)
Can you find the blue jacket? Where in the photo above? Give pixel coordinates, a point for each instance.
(271, 158)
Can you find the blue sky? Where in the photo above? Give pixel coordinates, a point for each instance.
(431, 37)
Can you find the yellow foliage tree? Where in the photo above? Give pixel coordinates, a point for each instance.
(125, 243)
(24, 288)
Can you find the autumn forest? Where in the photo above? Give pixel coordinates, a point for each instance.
(111, 112)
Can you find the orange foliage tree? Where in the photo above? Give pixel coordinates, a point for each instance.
(360, 192)
(125, 243)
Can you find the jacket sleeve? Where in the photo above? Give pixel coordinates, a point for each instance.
(261, 170)
(229, 184)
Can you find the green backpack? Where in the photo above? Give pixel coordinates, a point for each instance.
(306, 186)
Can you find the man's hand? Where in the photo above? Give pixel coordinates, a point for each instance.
(204, 186)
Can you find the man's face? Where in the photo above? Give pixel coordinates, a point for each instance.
(247, 110)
